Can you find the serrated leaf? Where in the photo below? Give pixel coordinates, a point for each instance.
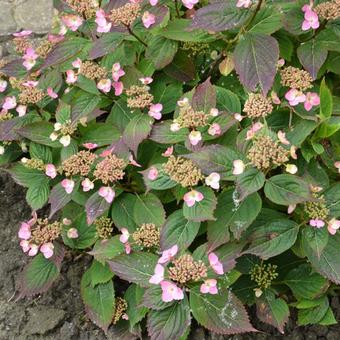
(313, 315)
(100, 273)
(95, 207)
(58, 199)
(134, 296)
(153, 298)
(161, 51)
(161, 133)
(332, 196)
(248, 182)
(182, 67)
(83, 105)
(227, 101)
(326, 101)
(101, 134)
(162, 182)
(267, 20)
(37, 195)
(25, 176)
(122, 212)
(204, 97)
(42, 152)
(104, 250)
(315, 238)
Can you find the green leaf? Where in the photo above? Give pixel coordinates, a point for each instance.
(313, 315)
(161, 51)
(162, 182)
(104, 250)
(100, 273)
(84, 104)
(161, 133)
(178, 230)
(315, 238)
(250, 181)
(267, 20)
(58, 199)
(135, 311)
(99, 301)
(273, 238)
(87, 84)
(122, 212)
(137, 267)
(153, 298)
(169, 323)
(25, 176)
(287, 189)
(37, 195)
(301, 131)
(149, 209)
(328, 318)
(222, 313)
(305, 283)
(332, 196)
(326, 101)
(203, 210)
(42, 152)
(227, 101)
(101, 134)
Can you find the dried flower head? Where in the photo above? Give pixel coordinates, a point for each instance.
(147, 235)
(91, 70)
(264, 274)
(120, 309)
(21, 44)
(329, 10)
(185, 269)
(265, 153)
(79, 164)
(5, 115)
(257, 106)
(110, 169)
(317, 210)
(31, 95)
(87, 8)
(44, 48)
(125, 15)
(183, 171)
(45, 231)
(104, 227)
(189, 118)
(295, 78)
(139, 97)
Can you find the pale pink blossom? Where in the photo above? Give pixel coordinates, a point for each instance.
(107, 193)
(133, 161)
(238, 117)
(190, 3)
(124, 237)
(215, 264)
(72, 233)
(24, 33)
(51, 171)
(118, 86)
(171, 292)
(213, 180)
(193, 196)
(25, 245)
(238, 167)
(253, 129)
(148, 19)
(146, 80)
(311, 19)
(30, 83)
(127, 247)
(33, 250)
(66, 221)
(3, 85)
(65, 140)
(21, 109)
(168, 152)
(155, 111)
(51, 93)
(195, 137)
(215, 129)
(104, 85)
(214, 112)
(152, 173)
(68, 185)
(337, 166)
(87, 184)
(293, 152)
(282, 138)
(312, 99)
(24, 232)
(103, 26)
(71, 77)
(333, 226)
(209, 286)
(47, 250)
(72, 21)
(295, 97)
(174, 127)
(117, 72)
(77, 63)
(90, 146)
(183, 102)
(243, 3)
(158, 275)
(168, 254)
(317, 223)
(153, 2)
(55, 38)
(9, 103)
(275, 99)
(30, 58)
(291, 208)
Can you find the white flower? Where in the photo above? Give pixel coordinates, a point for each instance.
(65, 140)
(291, 168)
(238, 167)
(195, 137)
(213, 180)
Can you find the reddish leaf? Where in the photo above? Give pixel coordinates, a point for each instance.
(95, 206)
(182, 68)
(204, 97)
(58, 199)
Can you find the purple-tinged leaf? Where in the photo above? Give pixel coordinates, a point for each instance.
(222, 313)
(95, 207)
(137, 267)
(204, 97)
(120, 149)
(161, 14)
(84, 105)
(182, 68)
(161, 133)
(105, 44)
(39, 275)
(14, 69)
(122, 330)
(137, 130)
(114, 4)
(58, 199)
(220, 16)
(228, 253)
(255, 59)
(152, 298)
(162, 182)
(312, 55)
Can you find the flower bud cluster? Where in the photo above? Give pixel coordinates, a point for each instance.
(87, 8)
(147, 235)
(257, 106)
(125, 15)
(121, 306)
(92, 70)
(263, 275)
(139, 97)
(79, 164)
(295, 78)
(104, 227)
(329, 10)
(110, 169)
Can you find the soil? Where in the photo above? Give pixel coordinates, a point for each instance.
(59, 313)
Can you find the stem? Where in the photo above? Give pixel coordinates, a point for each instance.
(177, 9)
(136, 36)
(254, 14)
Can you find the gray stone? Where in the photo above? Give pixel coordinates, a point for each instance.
(43, 319)
(7, 22)
(68, 330)
(34, 15)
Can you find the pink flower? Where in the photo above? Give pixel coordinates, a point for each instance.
(291, 208)
(214, 129)
(174, 127)
(158, 275)
(47, 250)
(33, 250)
(68, 185)
(213, 180)
(282, 138)
(243, 3)
(293, 152)
(215, 264)
(312, 99)
(72, 21)
(214, 112)
(337, 166)
(107, 193)
(51, 93)
(24, 231)
(51, 170)
(195, 137)
(103, 26)
(168, 152)
(90, 146)
(21, 109)
(146, 80)
(66, 221)
(55, 38)
(171, 292)
(124, 237)
(156, 111)
(22, 34)
(72, 233)
(25, 246)
(153, 2)
(31, 83)
(275, 99)
(317, 223)
(30, 58)
(295, 97)
(87, 185)
(118, 86)
(168, 254)
(104, 85)
(133, 161)
(3, 85)
(148, 19)
(10, 103)
(153, 173)
(193, 196)
(252, 131)
(311, 19)
(71, 77)
(333, 226)
(127, 247)
(209, 286)
(117, 72)
(77, 63)
(238, 167)
(190, 3)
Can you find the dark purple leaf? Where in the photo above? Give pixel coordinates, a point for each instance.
(58, 199)
(228, 254)
(95, 206)
(14, 69)
(204, 97)
(8, 127)
(255, 59)
(182, 67)
(105, 44)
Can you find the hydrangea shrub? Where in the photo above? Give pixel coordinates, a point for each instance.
(191, 149)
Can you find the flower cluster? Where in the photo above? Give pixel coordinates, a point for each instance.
(79, 163)
(263, 275)
(104, 227)
(147, 236)
(110, 169)
(257, 106)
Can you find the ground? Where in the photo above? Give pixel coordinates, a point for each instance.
(59, 313)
